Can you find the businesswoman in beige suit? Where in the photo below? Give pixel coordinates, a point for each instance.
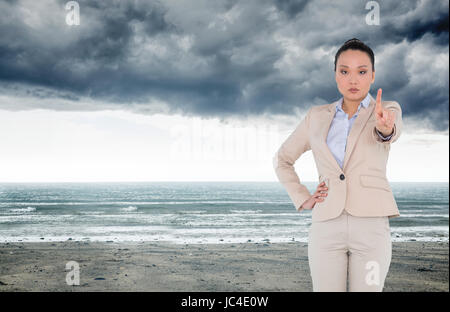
(349, 239)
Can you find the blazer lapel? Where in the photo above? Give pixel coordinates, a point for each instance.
(327, 118)
(355, 131)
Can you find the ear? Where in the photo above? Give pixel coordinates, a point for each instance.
(373, 77)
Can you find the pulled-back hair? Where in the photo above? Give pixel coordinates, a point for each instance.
(355, 44)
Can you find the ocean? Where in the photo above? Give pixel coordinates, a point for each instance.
(192, 212)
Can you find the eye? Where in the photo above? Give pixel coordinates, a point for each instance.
(343, 71)
(363, 71)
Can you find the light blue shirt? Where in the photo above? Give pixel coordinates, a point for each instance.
(340, 128)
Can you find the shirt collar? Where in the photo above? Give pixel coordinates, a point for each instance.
(364, 103)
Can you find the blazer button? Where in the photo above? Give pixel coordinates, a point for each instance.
(342, 177)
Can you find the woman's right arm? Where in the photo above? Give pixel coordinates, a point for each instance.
(284, 159)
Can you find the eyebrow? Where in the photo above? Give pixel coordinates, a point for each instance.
(358, 66)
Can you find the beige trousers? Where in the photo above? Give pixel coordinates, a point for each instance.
(357, 248)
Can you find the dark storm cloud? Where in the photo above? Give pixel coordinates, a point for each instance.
(291, 7)
(219, 58)
(412, 20)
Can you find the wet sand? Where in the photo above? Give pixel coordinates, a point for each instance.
(150, 266)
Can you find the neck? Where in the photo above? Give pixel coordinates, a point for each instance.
(348, 105)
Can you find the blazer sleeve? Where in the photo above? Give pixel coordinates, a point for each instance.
(398, 124)
(284, 159)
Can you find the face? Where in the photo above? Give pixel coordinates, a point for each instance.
(354, 71)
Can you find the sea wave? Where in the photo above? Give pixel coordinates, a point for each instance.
(23, 210)
(245, 211)
(129, 208)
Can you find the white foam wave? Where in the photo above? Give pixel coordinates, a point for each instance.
(129, 208)
(147, 202)
(245, 211)
(23, 210)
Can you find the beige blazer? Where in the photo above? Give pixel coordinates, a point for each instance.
(361, 187)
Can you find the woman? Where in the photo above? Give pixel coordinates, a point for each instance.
(349, 237)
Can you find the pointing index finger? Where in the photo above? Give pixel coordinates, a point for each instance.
(378, 104)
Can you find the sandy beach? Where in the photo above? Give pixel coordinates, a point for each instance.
(150, 266)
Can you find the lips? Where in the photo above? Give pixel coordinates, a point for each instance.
(353, 90)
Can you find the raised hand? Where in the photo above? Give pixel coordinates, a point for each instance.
(385, 118)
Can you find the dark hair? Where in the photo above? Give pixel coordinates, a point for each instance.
(355, 44)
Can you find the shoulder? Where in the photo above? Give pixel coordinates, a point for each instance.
(319, 109)
(391, 105)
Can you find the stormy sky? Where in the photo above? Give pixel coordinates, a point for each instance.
(218, 58)
(111, 93)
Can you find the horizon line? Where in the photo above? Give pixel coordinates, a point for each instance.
(190, 181)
